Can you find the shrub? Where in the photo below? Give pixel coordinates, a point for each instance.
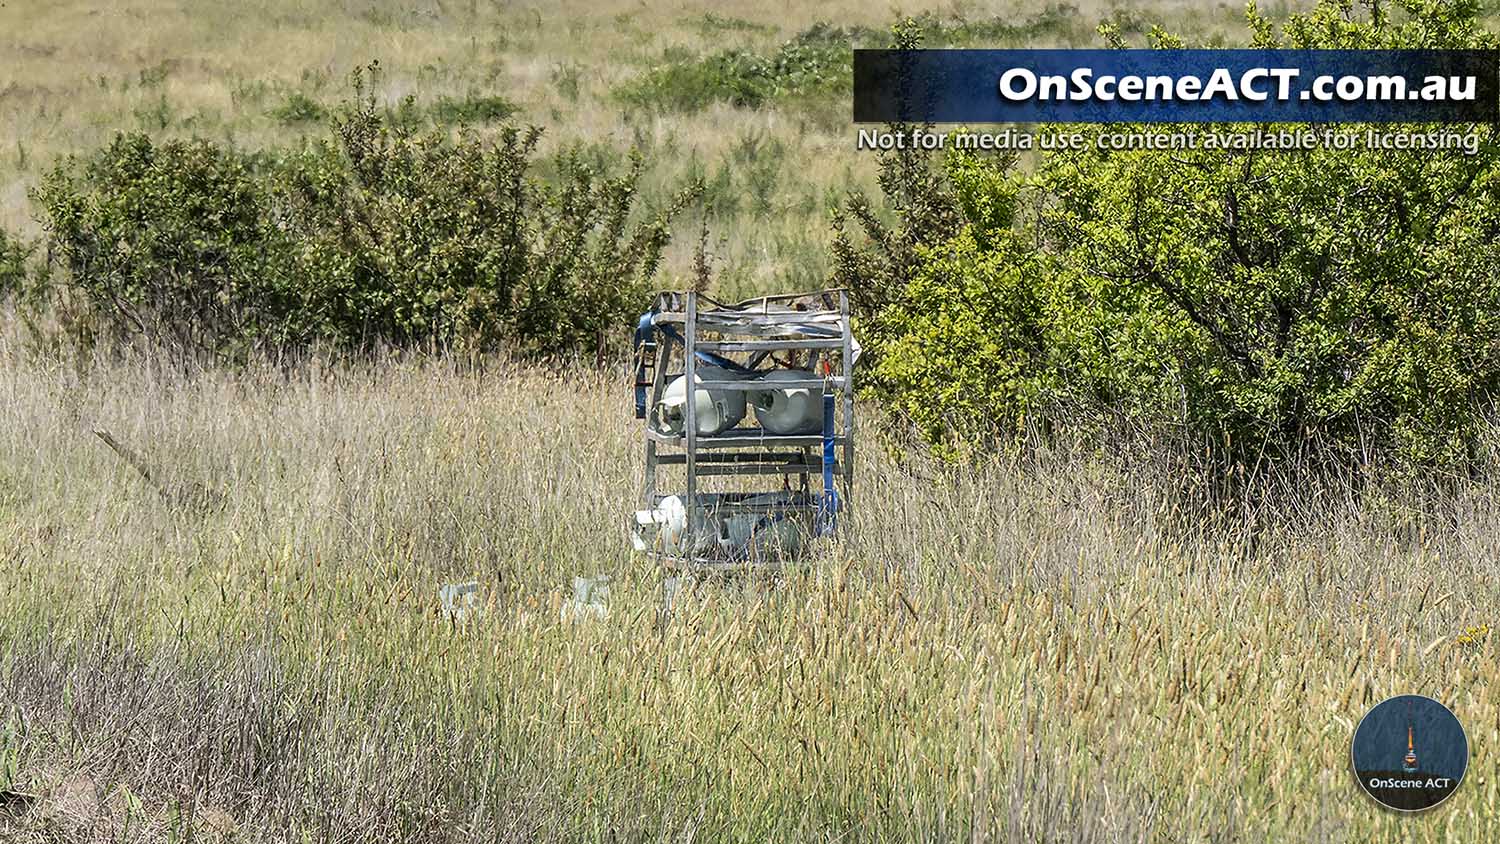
(738, 77)
(956, 331)
(473, 108)
(713, 24)
(374, 234)
(13, 257)
(299, 108)
(818, 61)
(176, 242)
(1262, 302)
(921, 212)
(567, 79)
(416, 237)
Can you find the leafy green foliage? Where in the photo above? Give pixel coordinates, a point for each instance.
(818, 61)
(417, 236)
(13, 257)
(952, 314)
(374, 234)
(922, 211)
(472, 109)
(712, 23)
(175, 242)
(299, 108)
(1263, 301)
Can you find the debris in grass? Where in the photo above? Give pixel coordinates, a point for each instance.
(460, 600)
(590, 600)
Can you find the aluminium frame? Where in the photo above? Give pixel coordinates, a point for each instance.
(760, 327)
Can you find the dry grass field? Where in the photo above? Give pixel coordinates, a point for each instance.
(1061, 648)
(1008, 652)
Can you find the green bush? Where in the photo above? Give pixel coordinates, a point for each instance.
(953, 314)
(1267, 303)
(472, 108)
(176, 242)
(713, 24)
(13, 257)
(737, 77)
(376, 234)
(816, 62)
(417, 237)
(299, 108)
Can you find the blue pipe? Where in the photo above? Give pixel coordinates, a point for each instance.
(828, 507)
(643, 330)
(707, 357)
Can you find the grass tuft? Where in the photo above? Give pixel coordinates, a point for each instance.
(299, 108)
(471, 109)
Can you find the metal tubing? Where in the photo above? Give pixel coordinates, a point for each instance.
(770, 345)
(658, 386)
(756, 385)
(690, 367)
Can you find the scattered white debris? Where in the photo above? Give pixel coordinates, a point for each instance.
(460, 600)
(589, 602)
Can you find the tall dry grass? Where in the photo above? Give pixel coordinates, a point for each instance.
(1016, 651)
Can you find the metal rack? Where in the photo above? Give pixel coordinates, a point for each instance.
(687, 330)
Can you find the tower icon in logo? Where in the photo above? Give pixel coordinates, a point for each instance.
(1409, 763)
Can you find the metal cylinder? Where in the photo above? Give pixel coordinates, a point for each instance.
(795, 411)
(716, 410)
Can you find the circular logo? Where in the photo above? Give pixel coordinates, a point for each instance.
(1410, 753)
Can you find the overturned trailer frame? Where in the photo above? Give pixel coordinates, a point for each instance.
(691, 330)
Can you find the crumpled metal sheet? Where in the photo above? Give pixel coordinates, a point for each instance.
(812, 315)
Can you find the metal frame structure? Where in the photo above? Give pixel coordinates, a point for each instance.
(696, 327)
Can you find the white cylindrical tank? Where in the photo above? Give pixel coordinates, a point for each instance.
(776, 532)
(716, 410)
(796, 411)
(663, 529)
